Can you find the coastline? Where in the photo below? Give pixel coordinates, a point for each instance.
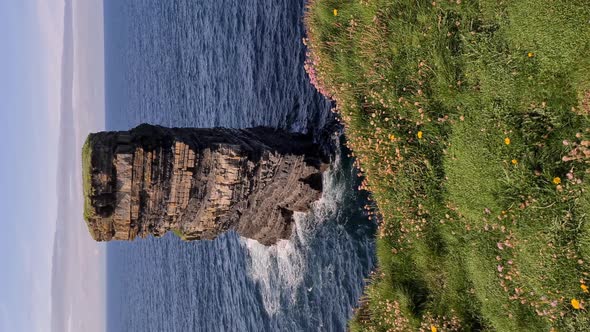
(469, 122)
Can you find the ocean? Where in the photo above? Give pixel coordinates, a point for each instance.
(230, 63)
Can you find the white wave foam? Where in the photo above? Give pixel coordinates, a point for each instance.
(279, 270)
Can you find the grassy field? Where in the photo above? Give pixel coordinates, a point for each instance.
(470, 124)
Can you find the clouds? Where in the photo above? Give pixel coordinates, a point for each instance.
(32, 125)
(50, 26)
(29, 132)
(78, 273)
(34, 96)
(35, 204)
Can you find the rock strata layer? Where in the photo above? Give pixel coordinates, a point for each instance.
(198, 183)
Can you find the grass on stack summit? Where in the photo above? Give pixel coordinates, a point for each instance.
(470, 124)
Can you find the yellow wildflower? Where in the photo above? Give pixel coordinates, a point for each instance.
(507, 141)
(576, 304)
(433, 328)
(557, 180)
(419, 135)
(335, 12)
(584, 288)
(391, 137)
(514, 161)
(530, 54)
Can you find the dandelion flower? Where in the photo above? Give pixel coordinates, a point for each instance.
(557, 180)
(514, 161)
(584, 288)
(335, 12)
(576, 304)
(507, 140)
(530, 54)
(391, 137)
(419, 135)
(433, 328)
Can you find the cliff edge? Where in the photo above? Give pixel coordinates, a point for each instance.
(198, 183)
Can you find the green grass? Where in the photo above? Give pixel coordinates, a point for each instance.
(475, 234)
(178, 233)
(86, 178)
(87, 189)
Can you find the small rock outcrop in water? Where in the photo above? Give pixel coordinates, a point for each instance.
(198, 183)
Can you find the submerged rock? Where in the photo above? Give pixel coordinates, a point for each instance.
(198, 183)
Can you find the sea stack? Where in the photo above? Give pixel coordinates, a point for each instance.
(198, 183)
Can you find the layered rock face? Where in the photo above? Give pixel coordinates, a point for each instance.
(198, 183)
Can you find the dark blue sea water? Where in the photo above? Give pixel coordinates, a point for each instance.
(232, 63)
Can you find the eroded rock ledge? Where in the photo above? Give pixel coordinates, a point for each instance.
(198, 183)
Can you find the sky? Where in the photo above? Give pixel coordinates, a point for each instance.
(51, 97)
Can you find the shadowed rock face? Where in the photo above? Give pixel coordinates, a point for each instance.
(198, 182)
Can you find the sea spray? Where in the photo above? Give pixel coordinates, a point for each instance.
(320, 256)
(279, 270)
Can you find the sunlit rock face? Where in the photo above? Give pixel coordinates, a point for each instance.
(198, 183)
